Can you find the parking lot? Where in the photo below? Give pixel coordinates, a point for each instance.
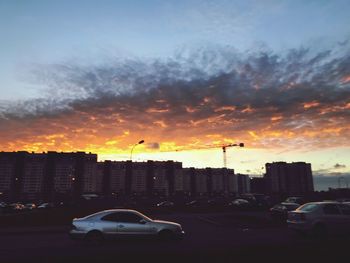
(208, 236)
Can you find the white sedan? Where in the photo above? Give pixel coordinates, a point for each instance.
(122, 222)
(320, 218)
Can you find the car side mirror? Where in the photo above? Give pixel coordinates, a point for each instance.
(142, 221)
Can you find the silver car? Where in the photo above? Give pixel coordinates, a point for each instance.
(320, 218)
(122, 222)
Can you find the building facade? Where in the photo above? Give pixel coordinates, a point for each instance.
(30, 176)
(289, 178)
(25, 175)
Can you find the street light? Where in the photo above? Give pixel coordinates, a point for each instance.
(140, 142)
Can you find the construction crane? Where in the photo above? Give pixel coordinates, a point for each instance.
(224, 151)
(223, 147)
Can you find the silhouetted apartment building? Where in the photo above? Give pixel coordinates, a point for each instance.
(25, 175)
(7, 172)
(91, 182)
(55, 176)
(113, 176)
(22, 174)
(289, 178)
(140, 178)
(33, 176)
(258, 185)
(161, 179)
(243, 182)
(201, 181)
(209, 181)
(189, 181)
(179, 180)
(232, 182)
(70, 174)
(218, 180)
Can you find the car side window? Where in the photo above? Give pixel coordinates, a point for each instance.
(127, 217)
(331, 209)
(113, 217)
(345, 209)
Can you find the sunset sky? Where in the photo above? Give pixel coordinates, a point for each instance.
(99, 76)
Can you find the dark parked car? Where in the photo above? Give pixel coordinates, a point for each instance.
(258, 201)
(217, 201)
(29, 206)
(46, 206)
(280, 211)
(240, 204)
(165, 204)
(197, 204)
(295, 199)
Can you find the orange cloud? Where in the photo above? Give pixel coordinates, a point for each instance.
(264, 101)
(311, 104)
(345, 79)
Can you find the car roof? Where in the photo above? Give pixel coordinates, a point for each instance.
(108, 211)
(119, 210)
(324, 202)
(289, 203)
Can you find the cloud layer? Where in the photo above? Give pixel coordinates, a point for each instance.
(214, 95)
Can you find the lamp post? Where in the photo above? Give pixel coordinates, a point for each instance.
(140, 142)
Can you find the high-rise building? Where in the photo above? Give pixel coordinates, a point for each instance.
(289, 178)
(25, 175)
(54, 175)
(60, 170)
(232, 182)
(33, 175)
(179, 181)
(243, 182)
(218, 176)
(138, 177)
(7, 172)
(258, 185)
(201, 181)
(117, 177)
(188, 180)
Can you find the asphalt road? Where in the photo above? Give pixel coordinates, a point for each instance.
(209, 237)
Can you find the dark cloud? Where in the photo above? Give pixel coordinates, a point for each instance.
(299, 98)
(339, 166)
(153, 145)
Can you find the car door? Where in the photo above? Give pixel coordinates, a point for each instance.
(345, 222)
(130, 223)
(332, 217)
(109, 224)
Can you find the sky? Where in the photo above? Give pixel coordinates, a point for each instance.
(185, 76)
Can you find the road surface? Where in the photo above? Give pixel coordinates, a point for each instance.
(208, 238)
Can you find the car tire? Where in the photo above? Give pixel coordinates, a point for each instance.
(94, 238)
(166, 235)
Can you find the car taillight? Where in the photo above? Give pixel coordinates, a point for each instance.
(302, 217)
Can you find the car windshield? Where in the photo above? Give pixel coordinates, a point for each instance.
(144, 216)
(291, 207)
(308, 207)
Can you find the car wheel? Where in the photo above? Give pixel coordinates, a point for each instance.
(166, 235)
(94, 238)
(319, 230)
